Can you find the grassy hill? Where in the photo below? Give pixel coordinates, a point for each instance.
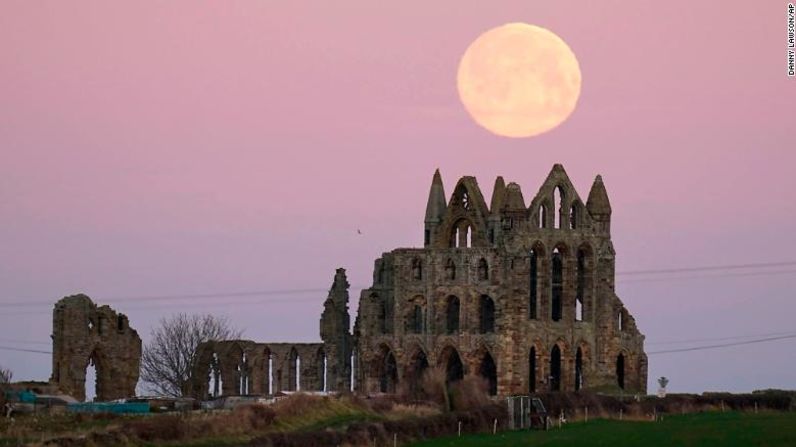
(729, 429)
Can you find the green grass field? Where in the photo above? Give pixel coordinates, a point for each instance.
(703, 429)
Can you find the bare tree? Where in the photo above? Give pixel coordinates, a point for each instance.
(5, 378)
(168, 359)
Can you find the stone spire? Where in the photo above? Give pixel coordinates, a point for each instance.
(514, 200)
(436, 206)
(497, 195)
(338, 344)
(598, 204)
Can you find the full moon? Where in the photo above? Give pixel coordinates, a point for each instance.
(519, 80)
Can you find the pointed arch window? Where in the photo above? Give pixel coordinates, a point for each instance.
(574, 215)
(557, 289)
(558, 206)
(533, 287)
(542, 216)
(417, 269)
(487, 314)
(450, 270)
(452, 315)
(483, 270)
(580, 290)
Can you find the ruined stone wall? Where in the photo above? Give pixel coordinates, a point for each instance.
(245, 367)
(85, 333)
(501, 265)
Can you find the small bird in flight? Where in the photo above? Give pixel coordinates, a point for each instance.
(358, 231)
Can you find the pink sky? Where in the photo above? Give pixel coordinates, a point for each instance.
(159, 148)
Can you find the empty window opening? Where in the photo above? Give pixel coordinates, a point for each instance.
(487, 313)
(483, 270)
(270, 377)
(298, 373)
(416, 320)
(389, 374)
(92, 380)
(320, 365)
(452, 315)
(293, 371)
(574, 214)
(542, 216)
(581, 286)
(532, 371)
(461, 234)
(488, 371)
(450, 270)
(214, 381)
(555, 369)
(557, 289)
(620, 371)
(243, 376)
(558, 207)
(90, 325)
(454, 369)
(417, 269)
(120, 323)
(579, 370)
(620, 321)
(427, 237)
(419, 367)
(534, 279)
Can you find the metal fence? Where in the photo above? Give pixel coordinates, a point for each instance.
(519, 412)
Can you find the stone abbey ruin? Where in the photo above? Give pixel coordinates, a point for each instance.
(86, 334)
(519, 294)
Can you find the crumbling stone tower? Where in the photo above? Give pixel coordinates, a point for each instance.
(335, 333)
(84, 334)
(520, 294)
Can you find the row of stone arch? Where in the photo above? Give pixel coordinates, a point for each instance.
(569, 277)
(416, 315)
(248, 368)
(451, 270)
(553, 369)
(569, 216)
(386, 374)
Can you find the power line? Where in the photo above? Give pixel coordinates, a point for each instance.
(709, 268)
(265, 293)
(726, 275)
(36, 351)
(725, 345)
(669, 351)
(118, 299)
(26, 342)
(697, 340)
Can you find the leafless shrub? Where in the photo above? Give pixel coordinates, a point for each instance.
(5, 379)
(469, 393)
(168, 359)
(435, 387)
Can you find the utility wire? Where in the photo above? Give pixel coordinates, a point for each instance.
(725, 345)
(709, 268)
(264, 293)
(697, 340)
(720, 275)
(26, 342)
(669, 351)
(36, 351)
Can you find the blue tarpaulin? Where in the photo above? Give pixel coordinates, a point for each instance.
(109, 407)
